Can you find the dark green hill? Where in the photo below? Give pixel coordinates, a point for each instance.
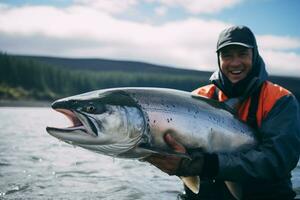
(25, 77)
(291, 83)
(113, 65)
(48, 78)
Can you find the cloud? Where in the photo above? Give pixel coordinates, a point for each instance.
(199, 7)
(3, 6)
(282, 63)
(81, 31)
(191, 6)
(186, 43)
(278, 55)
(272, 42)
(161, 10)
(108, 6)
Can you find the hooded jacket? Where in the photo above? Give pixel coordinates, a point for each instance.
(264, 172)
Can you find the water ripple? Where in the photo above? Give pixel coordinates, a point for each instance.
(35, 165)
(16, 188)
(4, 164)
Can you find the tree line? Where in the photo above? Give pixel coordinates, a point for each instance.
(24, 78)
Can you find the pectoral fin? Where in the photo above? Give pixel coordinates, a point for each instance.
(235, 189)
(192, 182)
(164, 152)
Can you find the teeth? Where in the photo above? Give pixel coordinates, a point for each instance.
(236, 72)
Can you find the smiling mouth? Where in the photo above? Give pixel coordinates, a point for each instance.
(236, 72)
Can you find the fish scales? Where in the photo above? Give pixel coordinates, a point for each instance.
(131, 123)
(150, 113)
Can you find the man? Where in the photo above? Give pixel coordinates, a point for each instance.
(263, 172)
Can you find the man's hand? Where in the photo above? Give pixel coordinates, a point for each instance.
(174, 165)
(168, 164)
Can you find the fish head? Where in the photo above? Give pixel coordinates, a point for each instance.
(101, 120)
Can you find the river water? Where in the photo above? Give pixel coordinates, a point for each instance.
(34, 165)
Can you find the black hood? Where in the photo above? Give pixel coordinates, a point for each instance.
(256, 76)
(244, 87)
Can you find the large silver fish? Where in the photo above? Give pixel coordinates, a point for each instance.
(131, 123)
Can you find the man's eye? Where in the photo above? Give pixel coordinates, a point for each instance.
(244, 53)
(225, 55)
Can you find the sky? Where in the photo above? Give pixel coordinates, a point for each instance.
(177, 33)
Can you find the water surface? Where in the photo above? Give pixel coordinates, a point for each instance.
(35, 165)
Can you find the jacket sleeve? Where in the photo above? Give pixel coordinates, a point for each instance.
(278, 152)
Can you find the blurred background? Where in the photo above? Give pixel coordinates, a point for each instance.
(56, 48)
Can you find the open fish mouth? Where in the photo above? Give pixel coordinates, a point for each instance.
(76, 123)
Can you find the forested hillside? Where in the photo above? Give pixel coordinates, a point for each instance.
(112, 65)
(49, 78)
(27, 78)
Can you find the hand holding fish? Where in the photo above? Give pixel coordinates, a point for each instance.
(174, 165)
(168, 164)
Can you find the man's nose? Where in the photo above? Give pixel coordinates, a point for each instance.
(236, 61)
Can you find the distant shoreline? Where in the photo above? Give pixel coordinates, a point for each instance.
(24, 103)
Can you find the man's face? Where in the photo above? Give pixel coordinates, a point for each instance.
(235, 62)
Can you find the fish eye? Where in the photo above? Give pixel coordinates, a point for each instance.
(90, 109)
